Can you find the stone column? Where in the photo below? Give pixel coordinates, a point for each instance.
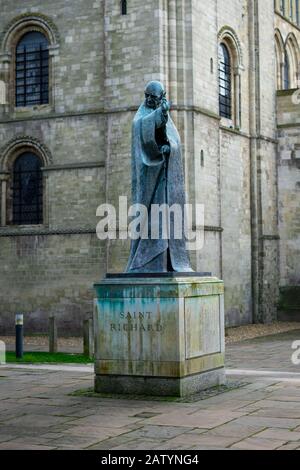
(5, 63)
(172, 51)
(3, 188)
(53, 58)
(237, 97)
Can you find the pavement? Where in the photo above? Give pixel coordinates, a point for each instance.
(261, 412)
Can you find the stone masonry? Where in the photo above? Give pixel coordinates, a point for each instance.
(100, 61)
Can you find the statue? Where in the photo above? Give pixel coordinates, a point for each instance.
(157, 178)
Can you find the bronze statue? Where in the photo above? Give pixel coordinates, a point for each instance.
(157, 178)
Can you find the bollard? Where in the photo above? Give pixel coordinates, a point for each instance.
(19, 335)
(52, 335)
(2, 353)
(88, 338)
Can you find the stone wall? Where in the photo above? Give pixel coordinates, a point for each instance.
(289, 187)
(51, 269)
(100, 61)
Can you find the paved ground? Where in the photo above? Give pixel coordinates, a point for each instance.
(36, 411)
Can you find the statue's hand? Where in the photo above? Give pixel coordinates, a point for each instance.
(165, 106)
(166, 150)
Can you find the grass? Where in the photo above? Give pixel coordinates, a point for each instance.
(47, 358)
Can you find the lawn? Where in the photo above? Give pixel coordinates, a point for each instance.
(47, 358)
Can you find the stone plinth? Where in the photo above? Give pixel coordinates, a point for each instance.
(159, 335)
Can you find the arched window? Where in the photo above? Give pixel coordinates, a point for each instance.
(123, 7)
(27, 190)
(286, 78)
(279, 53)
(293, 59)
(225, 82)
(32, 70)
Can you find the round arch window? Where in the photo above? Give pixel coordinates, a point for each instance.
(225, 82)
(27, 190)
(32, 70)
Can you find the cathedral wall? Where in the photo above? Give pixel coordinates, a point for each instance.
(289, 187)
(288, 119)
(50, 269)
(222, 154)
(101, 61)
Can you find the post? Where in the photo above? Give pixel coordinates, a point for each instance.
(52, 335)
(88, 338)
(19, 335)
(2, 353)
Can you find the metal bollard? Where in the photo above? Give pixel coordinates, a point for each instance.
(88, 338)
(19, 335)
(52, 335)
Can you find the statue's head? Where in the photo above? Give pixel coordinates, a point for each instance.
(154, 93)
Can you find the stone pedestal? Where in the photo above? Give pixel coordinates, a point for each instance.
(159, 335)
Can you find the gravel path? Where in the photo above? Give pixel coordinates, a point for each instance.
(242, 333)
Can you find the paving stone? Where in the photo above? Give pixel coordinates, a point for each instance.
(37, 421)
(254, 443)
(280, 434)
(270, 405)
(139, 444)
(278, 413)
(98, 432)
(269, 422)
(158, 432)
(145, 415)
(291, 446)
(112, 443)
(188, 441)
(6, 437)
(234, 429)
(52, 435)
(105, 420)
(75, 442)
(21, 445)
(201, 419)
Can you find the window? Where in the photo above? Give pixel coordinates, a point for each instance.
(27, 190)
(225, 82)
(289, 9)
(286, 78)
(123, 7)
(279, 51)
(32, 70)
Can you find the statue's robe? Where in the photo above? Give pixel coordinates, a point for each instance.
(157, 179)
